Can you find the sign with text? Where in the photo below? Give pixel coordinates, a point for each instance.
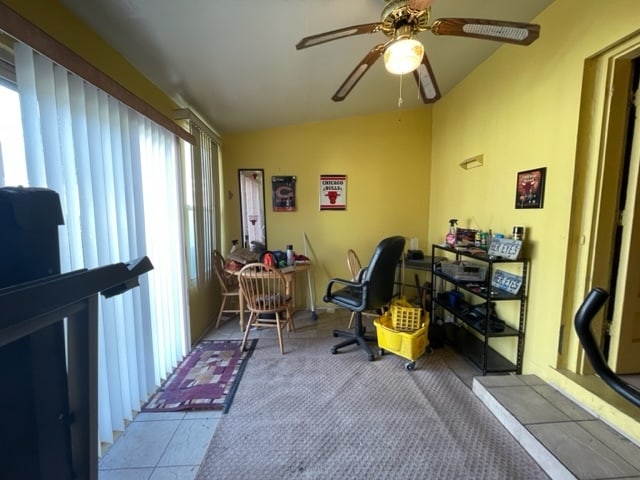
(333, 192)
(506, 281)
(505, 248)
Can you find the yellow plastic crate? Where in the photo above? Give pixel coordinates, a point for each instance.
(404, 316)
(409, 345)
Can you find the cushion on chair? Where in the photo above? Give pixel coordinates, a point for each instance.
(271, 301)
(347, 297)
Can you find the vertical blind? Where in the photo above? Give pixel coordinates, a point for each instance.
(119, 180)
(201, 167)
(206, 159)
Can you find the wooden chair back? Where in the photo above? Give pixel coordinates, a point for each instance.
(353, 262)
(228, 281)
(264, 288)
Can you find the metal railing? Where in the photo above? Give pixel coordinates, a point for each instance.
(592, 303)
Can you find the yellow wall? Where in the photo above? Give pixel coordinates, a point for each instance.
(386, 158)
(520, 109)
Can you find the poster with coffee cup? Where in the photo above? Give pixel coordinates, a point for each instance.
(333, 192)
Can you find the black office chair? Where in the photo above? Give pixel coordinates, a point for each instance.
(372, 290)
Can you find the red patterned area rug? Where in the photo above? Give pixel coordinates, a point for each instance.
(205, 380)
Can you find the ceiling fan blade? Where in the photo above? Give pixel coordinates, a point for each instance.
(353, 78)
(313, 40)
(501, 31)
(429, 91)
(419, 4)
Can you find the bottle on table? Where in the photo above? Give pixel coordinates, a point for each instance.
(290, 255)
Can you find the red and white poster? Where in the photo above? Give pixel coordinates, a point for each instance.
(333, 192)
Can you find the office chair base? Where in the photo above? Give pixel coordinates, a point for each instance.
(356, 336)
(353, 339)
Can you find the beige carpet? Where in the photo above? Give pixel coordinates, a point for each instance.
(312, 415)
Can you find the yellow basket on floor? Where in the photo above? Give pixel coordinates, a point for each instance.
(409, 345)
(404, 316)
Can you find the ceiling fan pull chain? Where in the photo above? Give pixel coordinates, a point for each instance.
(400, 97)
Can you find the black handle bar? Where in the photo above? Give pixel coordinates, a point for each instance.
(592, 303)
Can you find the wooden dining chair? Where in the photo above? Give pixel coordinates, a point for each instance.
(264, 289)
(353, 262)
(229, 287)
(355, 268)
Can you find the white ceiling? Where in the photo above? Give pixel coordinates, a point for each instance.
(234, 62)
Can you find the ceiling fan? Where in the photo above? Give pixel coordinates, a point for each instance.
(401, 20)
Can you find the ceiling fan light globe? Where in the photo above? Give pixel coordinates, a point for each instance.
(403, 56)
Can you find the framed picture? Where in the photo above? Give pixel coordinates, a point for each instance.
(530, 188)
(284, 193)
(333, 192)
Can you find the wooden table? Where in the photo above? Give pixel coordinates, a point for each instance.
(289, 274)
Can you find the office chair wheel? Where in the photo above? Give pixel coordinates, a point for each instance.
(410, 366)
(381, 352)
(334, 350)
(371, 357)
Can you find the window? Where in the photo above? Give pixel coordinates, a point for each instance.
(12, 163)
(120, 185)
(201, 194)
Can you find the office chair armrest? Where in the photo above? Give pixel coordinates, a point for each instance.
(340, 282)
(351, 295)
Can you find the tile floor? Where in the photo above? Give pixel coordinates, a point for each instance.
(565, 440)
(160, 446)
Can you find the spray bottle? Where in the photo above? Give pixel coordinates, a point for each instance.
(234, 246)
(451, 236)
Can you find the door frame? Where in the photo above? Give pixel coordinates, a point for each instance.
(599, 162)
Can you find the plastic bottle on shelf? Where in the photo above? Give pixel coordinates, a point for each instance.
(290, 255)
(451, 236)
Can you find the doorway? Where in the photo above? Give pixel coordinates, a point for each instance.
(606, 211)
(621, 335)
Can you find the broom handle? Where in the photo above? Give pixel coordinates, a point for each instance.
(304, 241)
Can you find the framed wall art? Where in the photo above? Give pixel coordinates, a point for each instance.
(333, 192)
(284, 193)
(530, 188)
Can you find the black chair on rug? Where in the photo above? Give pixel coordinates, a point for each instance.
(372, 290)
